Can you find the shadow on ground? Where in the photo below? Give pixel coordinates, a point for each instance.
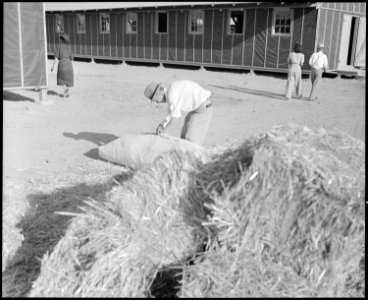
(11, 96)
(97, 138)
(53, 93)
(252, 92)
(43, 229)
(256, 92)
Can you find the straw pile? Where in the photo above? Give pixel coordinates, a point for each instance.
(279, 215)
(116, 248)
(293, 225)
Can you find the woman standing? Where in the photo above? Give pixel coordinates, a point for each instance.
(65, 74)
(295, 62)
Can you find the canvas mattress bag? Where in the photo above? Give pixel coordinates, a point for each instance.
(136, 150)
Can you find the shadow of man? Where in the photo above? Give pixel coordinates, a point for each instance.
(97, 138)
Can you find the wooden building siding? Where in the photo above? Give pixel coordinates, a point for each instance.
(180, 53)
(328, 34)
(256, 47)
(197, 48)
(349, 7)
(272, 44)
(248, 37)
(330, 27)
(260, 38)
(217, 37)
(172, 36)
(308, 34)
(156, 40)
(207, 35)
(140, 36)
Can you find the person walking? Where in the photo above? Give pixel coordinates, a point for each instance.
(184, 97)
(65, 73)
(295, 62)
(318, 63)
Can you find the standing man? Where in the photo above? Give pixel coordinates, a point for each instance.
(184, 97)
(318, 63)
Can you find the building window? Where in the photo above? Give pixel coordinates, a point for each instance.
(281, 21)
(131, 22)
(161, 22)
(235, 22)
(59, 24)
(104, 23)
(81, 23)
(196, 21)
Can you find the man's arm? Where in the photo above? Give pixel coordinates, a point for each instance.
(166, 124)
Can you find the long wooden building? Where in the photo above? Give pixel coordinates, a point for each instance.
(239, 35)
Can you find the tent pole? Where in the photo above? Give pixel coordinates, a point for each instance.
(20, 45)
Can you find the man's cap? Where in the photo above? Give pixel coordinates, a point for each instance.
(151, 90)
(320, 46)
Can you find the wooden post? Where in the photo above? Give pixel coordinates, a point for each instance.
(43, 96)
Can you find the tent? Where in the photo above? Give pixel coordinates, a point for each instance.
(24, 47)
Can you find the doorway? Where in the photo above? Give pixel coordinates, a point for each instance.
(352, 41)
(348, 41)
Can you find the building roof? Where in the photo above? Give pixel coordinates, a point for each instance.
(74, 6)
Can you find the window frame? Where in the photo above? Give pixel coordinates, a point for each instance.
(79, 31)
(136, 23)
(190, 22)
(282, 34)
(59, 16)
(157, 22)
(228, 22)
(104, 15)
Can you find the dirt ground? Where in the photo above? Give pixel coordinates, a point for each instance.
(107, 102)
(48, 146)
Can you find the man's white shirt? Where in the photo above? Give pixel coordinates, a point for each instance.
(318, 60)
(184, 96)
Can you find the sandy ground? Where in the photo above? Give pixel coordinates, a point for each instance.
(107, 102)
(50, 147)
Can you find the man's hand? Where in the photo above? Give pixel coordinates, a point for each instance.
(160, 129)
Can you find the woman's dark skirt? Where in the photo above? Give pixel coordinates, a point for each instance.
(65, 74)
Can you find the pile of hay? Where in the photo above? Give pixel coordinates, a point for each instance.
(116, 248)
(293, 224)
(279, 215)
